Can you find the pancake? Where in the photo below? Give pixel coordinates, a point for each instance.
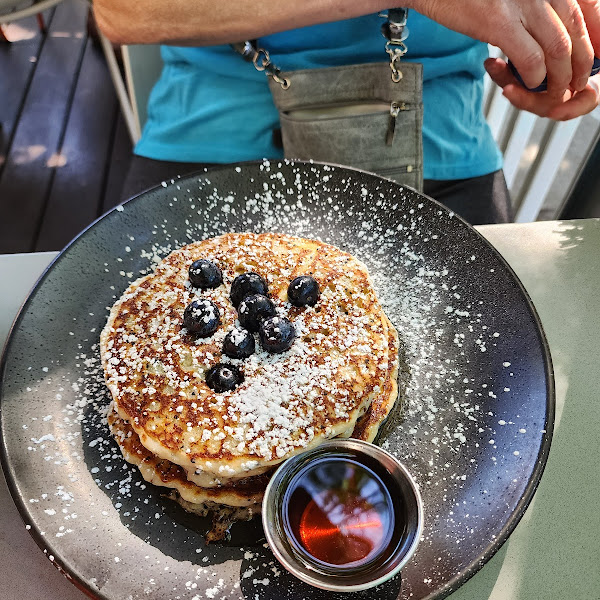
(368, 426)
(342, 365)
(163, 473)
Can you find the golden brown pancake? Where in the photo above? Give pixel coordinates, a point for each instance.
(342, 365)
(163, 473)
(367, 427)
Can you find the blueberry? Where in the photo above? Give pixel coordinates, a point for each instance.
(205, 274)
(239, 343)
(277, 334)
(303, 291)
(201, 317)
(245, 285)
(253, 309)
(222, 378)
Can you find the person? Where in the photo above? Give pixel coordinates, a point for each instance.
(209, 106)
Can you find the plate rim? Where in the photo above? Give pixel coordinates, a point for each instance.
(451, 585)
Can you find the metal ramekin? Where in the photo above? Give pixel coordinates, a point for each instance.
(396, 479)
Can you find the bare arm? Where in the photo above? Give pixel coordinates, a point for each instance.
(553, 37)
(210, 22)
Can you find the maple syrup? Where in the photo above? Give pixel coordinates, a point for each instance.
(344, 516)
(340, 512)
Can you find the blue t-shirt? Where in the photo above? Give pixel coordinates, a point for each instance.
(211, 106)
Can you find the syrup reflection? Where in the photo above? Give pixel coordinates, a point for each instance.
(341, 514)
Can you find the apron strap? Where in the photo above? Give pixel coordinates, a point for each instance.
(394, 30)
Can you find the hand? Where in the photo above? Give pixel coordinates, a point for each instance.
(553, 37)
(572, 103)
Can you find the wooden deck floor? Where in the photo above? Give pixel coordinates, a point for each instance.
(64, 148)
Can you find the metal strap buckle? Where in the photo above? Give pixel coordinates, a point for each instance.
(264, 63)
(395, 53)
(394, 30)
(261, 60)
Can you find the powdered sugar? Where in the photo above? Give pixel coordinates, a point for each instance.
(286, 399)
(447, 304)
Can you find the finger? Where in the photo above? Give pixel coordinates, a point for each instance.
(552, 35)
(581, 103)
(591, 13)
(582, 52)
(524, 52)
(538, 103)
(499, 72)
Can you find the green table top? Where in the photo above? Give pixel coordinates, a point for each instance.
(555, 550)
(554, 553)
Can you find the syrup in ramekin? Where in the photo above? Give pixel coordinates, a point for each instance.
(340, 512)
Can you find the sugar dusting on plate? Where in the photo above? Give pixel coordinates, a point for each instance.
(425, 300)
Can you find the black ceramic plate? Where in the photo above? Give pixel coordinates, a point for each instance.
(478, 405)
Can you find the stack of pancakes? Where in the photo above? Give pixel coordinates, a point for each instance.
(214, 450)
